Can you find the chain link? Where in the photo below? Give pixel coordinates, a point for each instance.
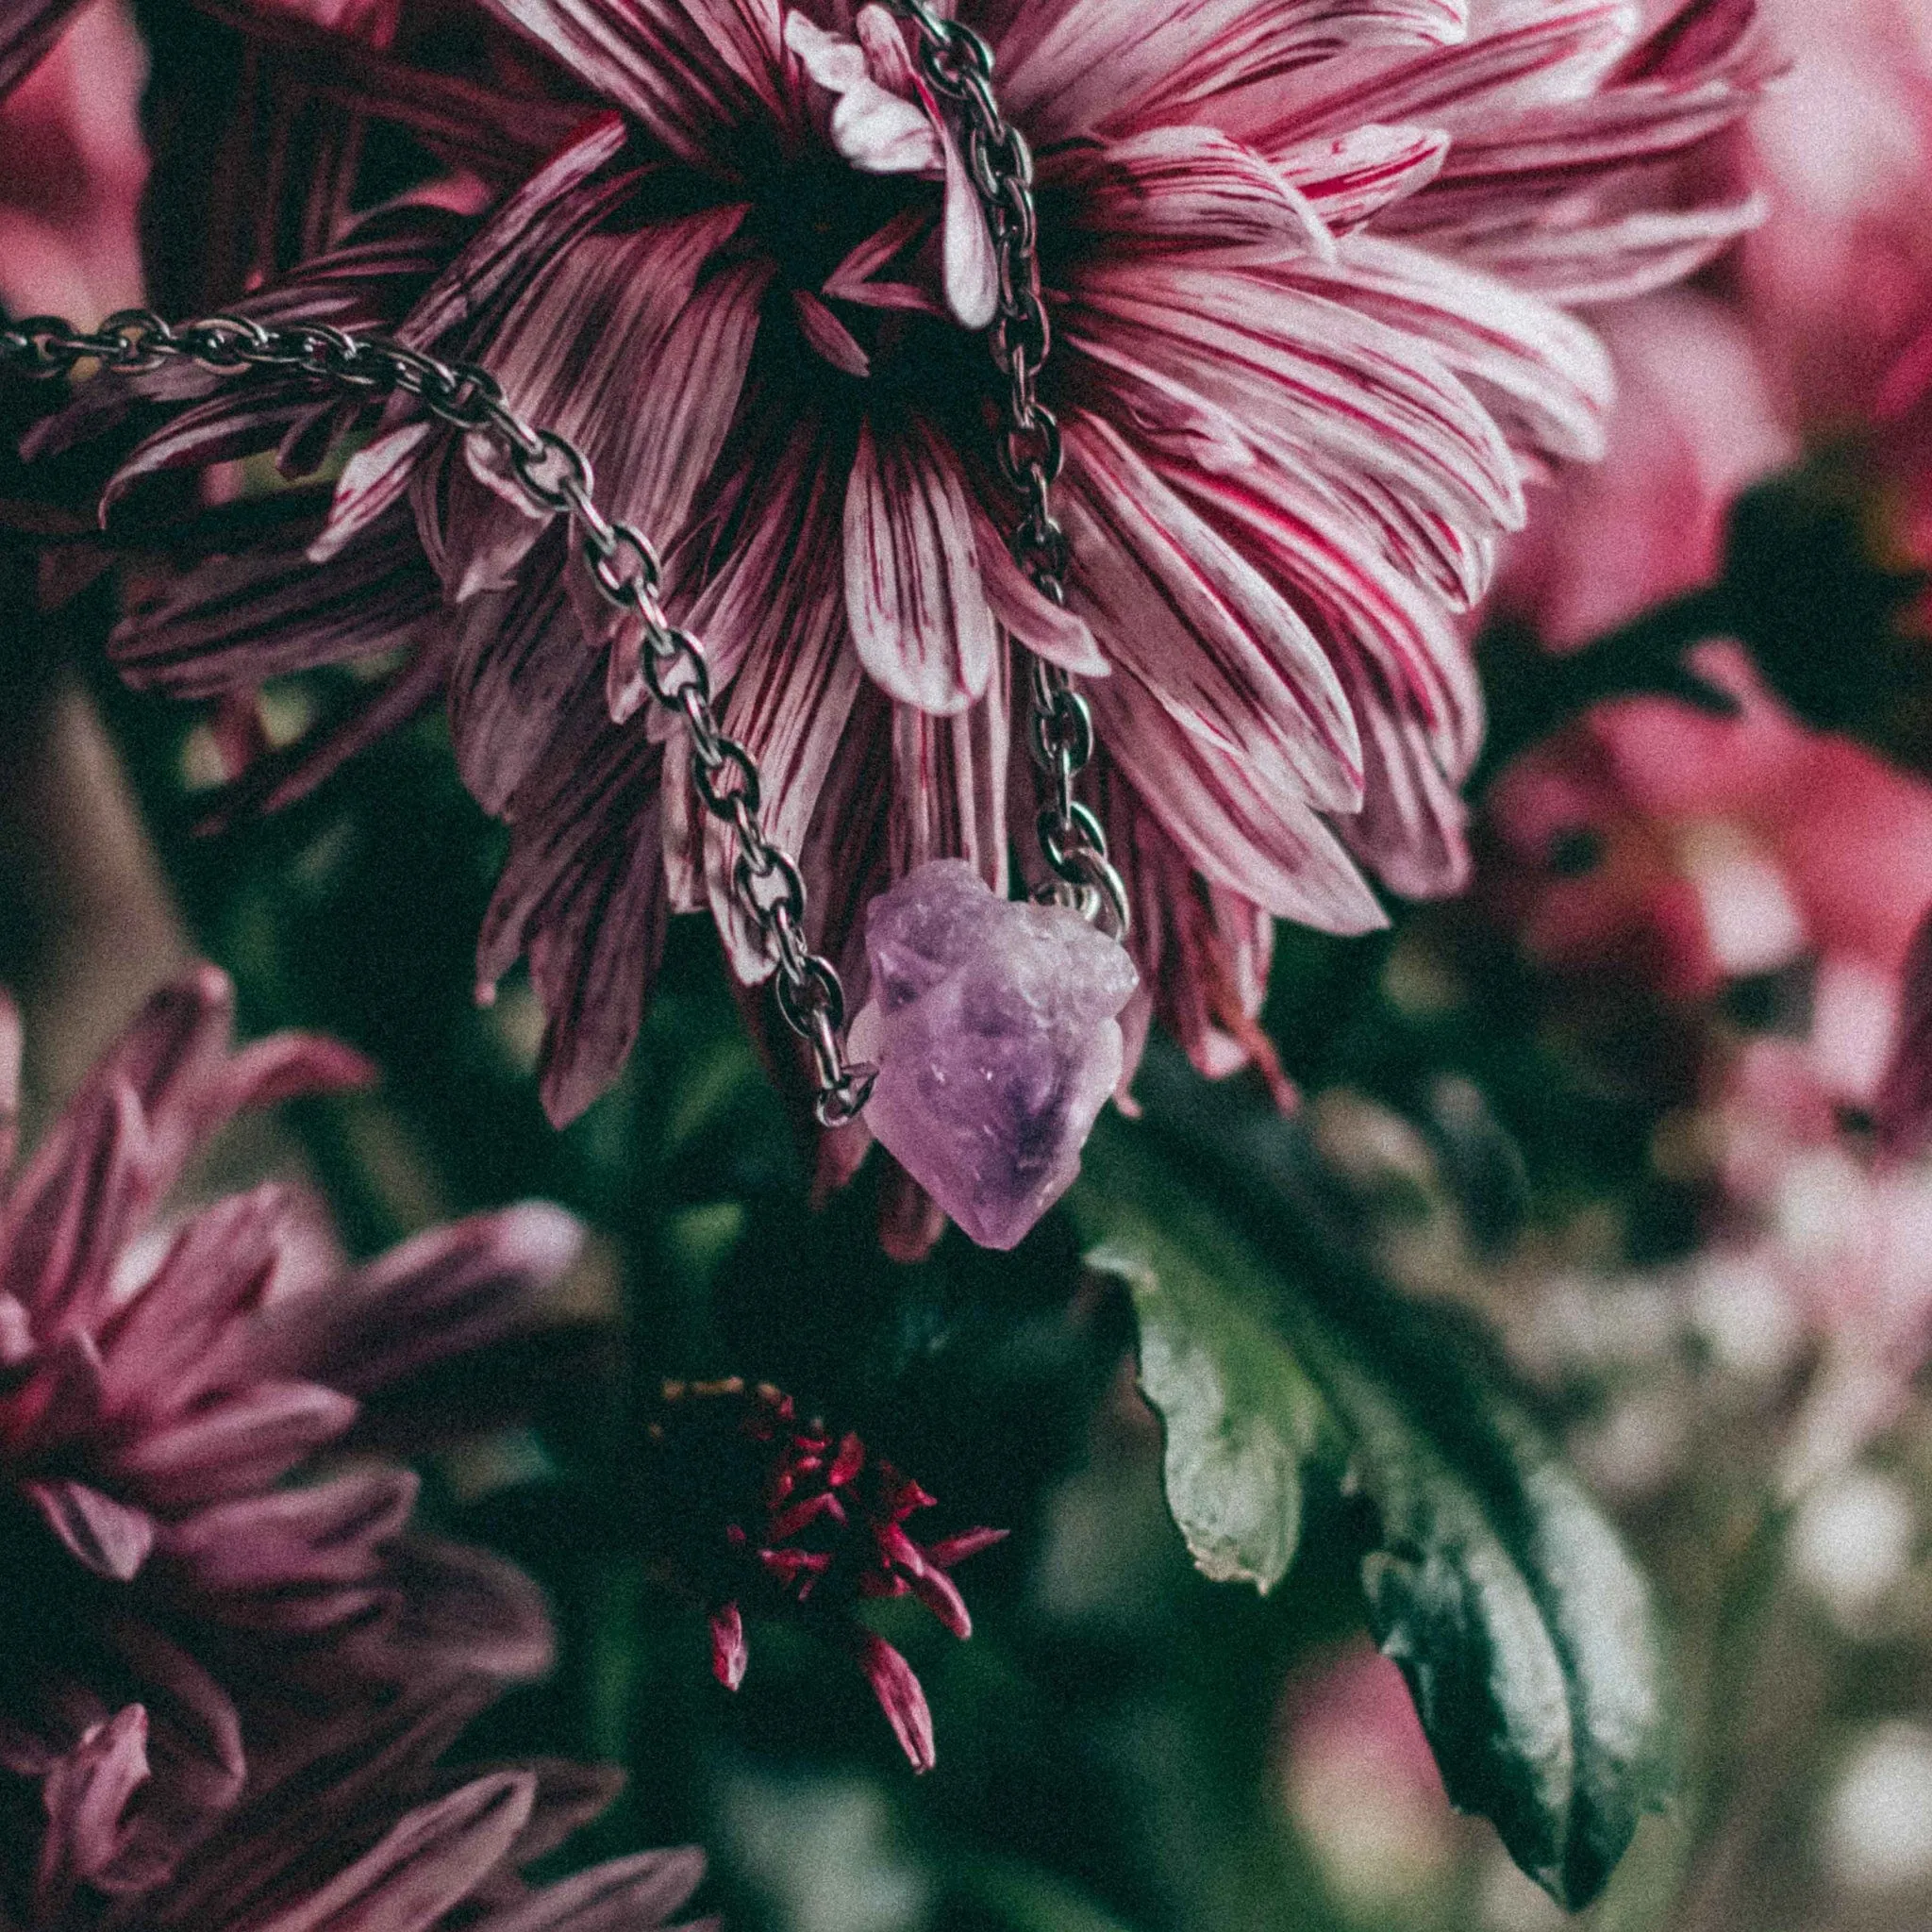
(958, 65)
(555, 477)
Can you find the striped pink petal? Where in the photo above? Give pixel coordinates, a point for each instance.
(1260, 841)
(1188, 190)
(1200, 628)
(913, 591)
(689, 72)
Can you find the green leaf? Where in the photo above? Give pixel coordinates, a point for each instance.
(1239, 1416)
(1526, 1632)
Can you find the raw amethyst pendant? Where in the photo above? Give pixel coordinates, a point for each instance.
(993, 1026)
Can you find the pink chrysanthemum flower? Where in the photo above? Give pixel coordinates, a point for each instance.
(158, 1381)
(749, 1509)
(364, 1827)
(1307, 263)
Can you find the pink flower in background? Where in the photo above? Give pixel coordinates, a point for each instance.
(1307, 265)
(71, 160)
(1817, 324)
(1838, 282)
(160, 1379)
(1811, 1233)
(1694, 850)
(748, 1508)
(363, 1827)
(1694, 424)
(1360, 1782)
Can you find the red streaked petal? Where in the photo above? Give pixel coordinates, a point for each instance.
(1199, 626)
(730, 1654)
(900, 1697)
(1258, 841)
(373, 482)
(1088, 64)
(1188, 190)
(691, 70)
(1352, 176)
(913, 591)
(949, 783)
(828, 335)
(1047, 629)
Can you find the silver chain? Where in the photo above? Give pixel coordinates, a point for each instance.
(555, 476)
(957, 63)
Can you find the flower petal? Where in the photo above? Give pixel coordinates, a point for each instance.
(633, 1894)
(429, 1862)
(1090, 64)
(692, 72)
(900, 1697)
(287, 1540)
(970, 270)
(233, 622)
(583, 893)
(1047, 629)
(446, 1291)
(1199, 627)
(520, 665)
(913, 591)
(462, 1611)
(88, 1794)
(829, 335)
(27, 29)
(1349, 176)
(9, 1081)
(373, 482)
(239, 1443)
(949, 784)
(164, 1333)
(112, 1539)
(729, 1652)
(1258, 841)
(1187, 191)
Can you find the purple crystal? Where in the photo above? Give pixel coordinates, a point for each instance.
(992, 1022)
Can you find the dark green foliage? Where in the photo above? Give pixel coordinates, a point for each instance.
(1525, 1630)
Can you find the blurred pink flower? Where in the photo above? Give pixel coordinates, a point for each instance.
(1838, 282)
(1360, 1781)
(161, 1379)
(1694, 424)
(1308, 265)
(361, 1827)
(745, 1507)
(1844, 1241)
(1818, 324)
(1694, 850)
(72, 159)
